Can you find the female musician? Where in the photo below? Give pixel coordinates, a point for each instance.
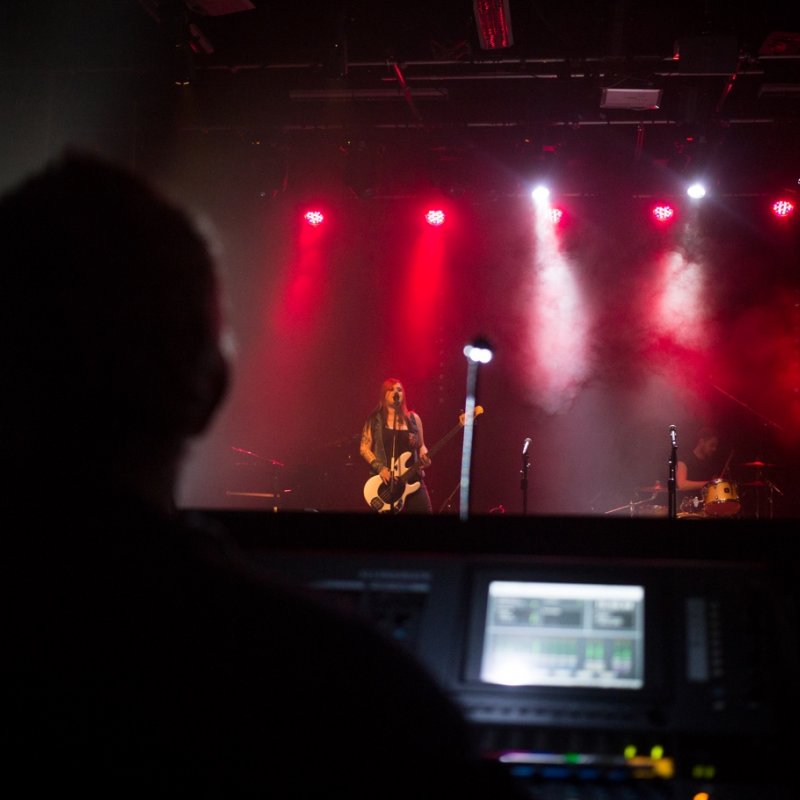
(393, 444)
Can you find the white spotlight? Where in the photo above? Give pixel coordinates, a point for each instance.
(696, 190)
(478, 353)
(540, 194)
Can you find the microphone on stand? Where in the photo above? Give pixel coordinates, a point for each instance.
(524, 473)
(671, 487)
(396, 398)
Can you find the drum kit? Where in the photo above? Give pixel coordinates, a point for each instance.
(718, 499)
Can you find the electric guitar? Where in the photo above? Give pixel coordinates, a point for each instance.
(383, 497)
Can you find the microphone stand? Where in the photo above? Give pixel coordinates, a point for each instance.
(449, 498)
(394, 451)
(672, 508)
(526, 462)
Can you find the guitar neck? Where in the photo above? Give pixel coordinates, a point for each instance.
(450, 434)
(444, 440)
(412, 471)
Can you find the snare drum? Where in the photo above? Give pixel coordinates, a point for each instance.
(721, 499)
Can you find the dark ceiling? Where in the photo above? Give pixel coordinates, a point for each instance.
(577, 86)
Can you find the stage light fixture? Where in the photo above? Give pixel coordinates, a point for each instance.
(493, 20)
(636, 99)
(198, 41)
(783, 208)
(540, 194)
(479, 352)
(663, 212)
(556, 215)
(696, 190)
(435, 217)
(314, 218)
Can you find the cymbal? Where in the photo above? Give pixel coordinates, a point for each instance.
(755, 464)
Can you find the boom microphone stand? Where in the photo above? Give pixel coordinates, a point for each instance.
(449, 498)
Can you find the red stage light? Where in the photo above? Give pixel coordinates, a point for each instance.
(663, 212)
(314, 217)
(556, 215)
(783, 208)
(435, 216)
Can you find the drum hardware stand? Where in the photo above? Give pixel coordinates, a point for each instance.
(276, 492)
(772, 489)
(770, 497)
(631, 505)
(761, 482)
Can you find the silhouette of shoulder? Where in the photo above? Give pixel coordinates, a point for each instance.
(162, 653)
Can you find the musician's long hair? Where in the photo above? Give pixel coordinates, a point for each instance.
(382, 403)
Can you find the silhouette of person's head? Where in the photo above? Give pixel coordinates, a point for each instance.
(112, 325)
(707, 443)
(146, 649)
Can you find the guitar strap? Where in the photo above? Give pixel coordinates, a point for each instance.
(414, 431)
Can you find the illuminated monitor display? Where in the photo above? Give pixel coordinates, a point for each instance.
(563, 634)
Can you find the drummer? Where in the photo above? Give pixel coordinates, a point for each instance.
(697, 468)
